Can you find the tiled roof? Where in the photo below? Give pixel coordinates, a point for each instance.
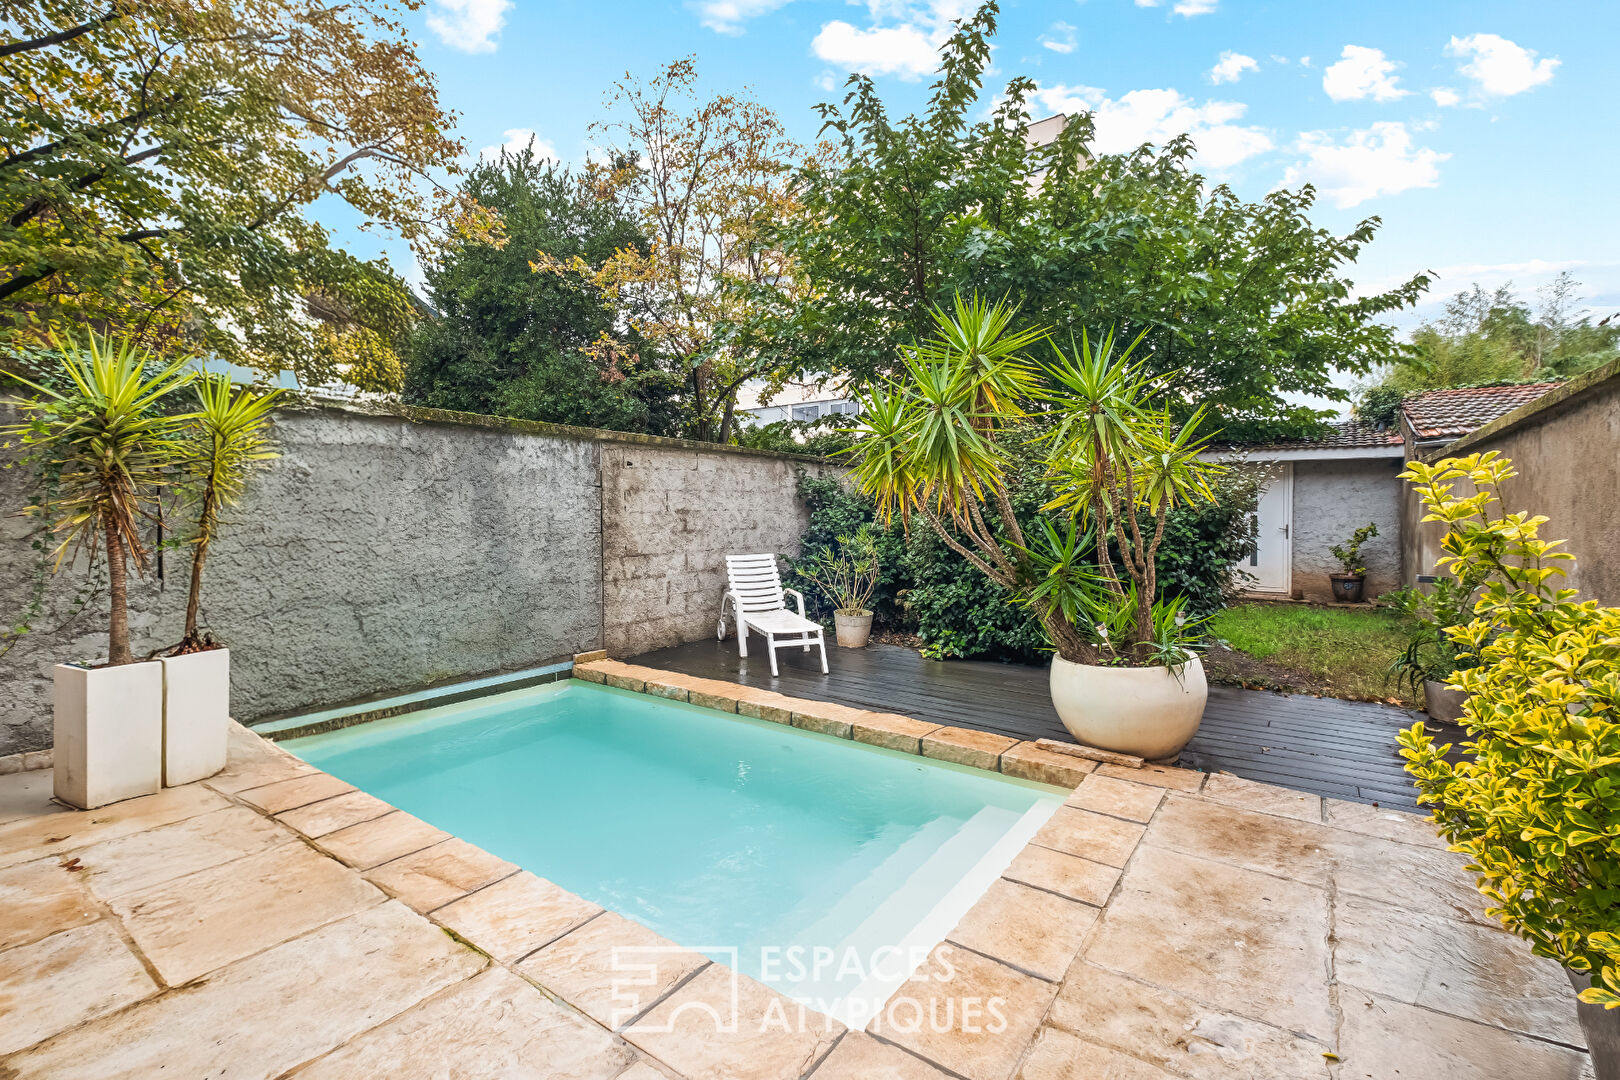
(1443, 414)
(1343, 435)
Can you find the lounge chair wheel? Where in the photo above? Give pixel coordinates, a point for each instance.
(720, 630)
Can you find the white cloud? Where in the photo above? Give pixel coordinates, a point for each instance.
(728, 16)
(1231, 66)
(1445, 96)
(1379, 160)
(1304, 61)
(1061, 38)
(1362, 73)
(1186, 8)
(1157, 116)
(516, 140)
(903, 40)
(468, 25)
(1498, 67)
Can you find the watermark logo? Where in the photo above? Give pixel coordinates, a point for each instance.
(899, 991)
(640, 977)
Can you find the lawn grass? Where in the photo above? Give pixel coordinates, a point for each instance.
(1344, 652)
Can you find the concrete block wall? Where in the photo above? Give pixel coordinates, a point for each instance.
(390, 548)
(1334, 498)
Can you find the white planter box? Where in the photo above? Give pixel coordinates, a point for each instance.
(196, 714)
(109, 733)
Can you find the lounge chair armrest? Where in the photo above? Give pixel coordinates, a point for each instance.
(798, 598)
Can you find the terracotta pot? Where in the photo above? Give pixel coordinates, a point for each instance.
(1150, 712)
(852, 629)
(1602, 1030)
(109, 733)
(1443, 703)
(196, 714)
(1347, 588)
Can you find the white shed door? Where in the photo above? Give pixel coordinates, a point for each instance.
(1272, 563)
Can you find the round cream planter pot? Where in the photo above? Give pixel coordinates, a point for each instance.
(1149, 712)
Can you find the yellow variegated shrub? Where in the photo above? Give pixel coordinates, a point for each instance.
(1538, 808)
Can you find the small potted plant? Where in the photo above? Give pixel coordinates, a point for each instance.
(1534, 804)
(99, 429)
(1348, 586)
(848, 579)
(224, 441)
(1431, 658)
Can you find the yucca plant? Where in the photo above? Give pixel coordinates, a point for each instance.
(225, 441)
(936, 446)
(110, 445)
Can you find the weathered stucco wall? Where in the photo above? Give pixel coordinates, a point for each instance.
(389, 549)
(1332, 499)
(669, 518)
(1565, 447)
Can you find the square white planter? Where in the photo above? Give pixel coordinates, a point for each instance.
(196, 714)
(109, 733)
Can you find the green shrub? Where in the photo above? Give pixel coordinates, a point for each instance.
(1536, 806)
(926, 588)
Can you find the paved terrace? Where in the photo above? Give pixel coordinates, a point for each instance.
(1165, 924)
(1337, 749)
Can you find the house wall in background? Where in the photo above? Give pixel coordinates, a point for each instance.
(1565, 447)
(1332, 499)
(388, 549)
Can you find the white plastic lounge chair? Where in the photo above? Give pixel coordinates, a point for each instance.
(754, 591)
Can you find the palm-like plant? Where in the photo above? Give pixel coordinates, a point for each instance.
(110, 447)
(936, 447)
(226, 440)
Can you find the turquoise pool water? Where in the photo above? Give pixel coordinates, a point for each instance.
(719, 832)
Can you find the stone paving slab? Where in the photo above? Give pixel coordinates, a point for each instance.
(261, 1017)
(40, 898)
(54, 830)
(1117, 798)
(436, 875)
(146, 859)
(1178, 1034)
(1067, 875)
(967, 1012)
(611, 969)
(1381, 1039)
(194, 924)
(1034, 931)
(725, 1025)
(380, 840)
(506, 1026)
(65, 979)
(859, 1056)
(515, 916)
(1249, 943)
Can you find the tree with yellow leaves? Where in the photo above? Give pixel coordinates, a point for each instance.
(709, 183)
(156, 157)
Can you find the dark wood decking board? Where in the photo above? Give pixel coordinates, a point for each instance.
(1341, 749)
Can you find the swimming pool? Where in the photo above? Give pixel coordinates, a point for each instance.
(822, 867)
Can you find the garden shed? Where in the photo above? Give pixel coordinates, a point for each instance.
(1322, 490)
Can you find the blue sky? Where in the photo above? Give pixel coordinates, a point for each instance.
(1480, 131)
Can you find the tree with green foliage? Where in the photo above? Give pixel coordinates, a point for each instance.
(512, 342)
(1494, 336)
(156, 157)
(1240, 303)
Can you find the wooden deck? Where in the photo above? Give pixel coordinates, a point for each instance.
(1341, 749)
